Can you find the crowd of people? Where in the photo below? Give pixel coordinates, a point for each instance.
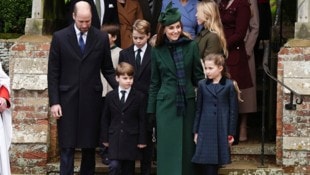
(130, 76)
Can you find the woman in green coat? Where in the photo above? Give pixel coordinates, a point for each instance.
(176, 70)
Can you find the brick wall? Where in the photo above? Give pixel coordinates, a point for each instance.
(31, 146)
(293, 126)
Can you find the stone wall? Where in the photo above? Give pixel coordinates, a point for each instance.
(5, 46)
(31, 146)
(293, 126)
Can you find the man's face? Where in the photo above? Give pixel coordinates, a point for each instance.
(82, 19)
(139, 39)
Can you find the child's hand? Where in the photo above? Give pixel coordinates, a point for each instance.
(231, 139)
(141, 146)
(105, 144)
(195, 138)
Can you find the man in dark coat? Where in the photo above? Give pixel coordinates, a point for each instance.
(77, 55)
(151, 10)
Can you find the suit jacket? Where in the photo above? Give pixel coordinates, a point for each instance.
(110, 11)
(127, 15)
(74, 83)
(151, 17)
(123, 125)
(142, 78)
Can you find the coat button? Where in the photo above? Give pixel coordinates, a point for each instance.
(121, 130)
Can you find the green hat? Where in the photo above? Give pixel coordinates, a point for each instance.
(169, 15)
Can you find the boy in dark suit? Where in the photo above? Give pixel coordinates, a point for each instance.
(139, 55)
(123, 123)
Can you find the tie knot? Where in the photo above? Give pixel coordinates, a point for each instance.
(139, 50)
(123, 92)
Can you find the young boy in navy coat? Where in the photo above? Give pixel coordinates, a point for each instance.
(139, 55)
(123, 123)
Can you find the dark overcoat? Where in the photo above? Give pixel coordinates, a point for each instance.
(216, 118)
(175, 145)
(74, 83)
(151, 15)
(123, 125)
(235, 21)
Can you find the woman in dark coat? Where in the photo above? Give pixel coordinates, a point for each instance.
(235, 16)
(176, 70)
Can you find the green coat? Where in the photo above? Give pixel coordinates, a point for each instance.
(175, 146)
(208, 42)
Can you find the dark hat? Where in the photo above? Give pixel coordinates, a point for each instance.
(169, 15)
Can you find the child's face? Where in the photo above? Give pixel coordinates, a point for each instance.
(112, 39)
(139, 39)
(124, 81)
(213, 71)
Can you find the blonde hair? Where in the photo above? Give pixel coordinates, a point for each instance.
(213, 21)
(142, 26)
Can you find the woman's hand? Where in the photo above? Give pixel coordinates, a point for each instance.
(195, 138)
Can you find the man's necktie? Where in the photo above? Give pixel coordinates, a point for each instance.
(138, 59)
(123, 96)
(81, 42)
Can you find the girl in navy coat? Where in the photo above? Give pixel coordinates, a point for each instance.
(216, 116)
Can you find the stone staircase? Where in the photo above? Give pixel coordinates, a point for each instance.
(246, 160)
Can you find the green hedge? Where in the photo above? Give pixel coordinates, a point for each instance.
(13, 14)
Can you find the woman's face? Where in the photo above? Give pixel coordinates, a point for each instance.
(200, 17)
(173, 31)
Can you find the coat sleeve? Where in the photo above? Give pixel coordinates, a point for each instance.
(107, 68)
(213, 45)
(54, 71)
(198, 109)
(155, 83)
(142, 120)
(4, 93)
(233, 110)
(105, 120)
(253, 29)
(197, 74)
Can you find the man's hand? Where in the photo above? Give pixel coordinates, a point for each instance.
(105, 144)
(56, 111)
(3, 104)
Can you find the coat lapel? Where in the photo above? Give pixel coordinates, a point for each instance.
(72, 38)
(165, 56)
(90, 42)
(129, 99)
(145, 61)
(219, 89)
(116, 100)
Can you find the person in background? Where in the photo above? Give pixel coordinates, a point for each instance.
(77, 55)
(216, 116)
(249, 94)
(113, 33)
(188, 10)
(128, 12)
(123, 123)
(5, 123)
(151, 10)
(139, 56)
(211, 39)
(103, 12)
(175, 72)
(235, 16)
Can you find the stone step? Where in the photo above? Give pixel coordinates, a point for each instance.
(246, 160)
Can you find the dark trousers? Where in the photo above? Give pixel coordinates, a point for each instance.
(67, 161)
(147, 155)
(122, 167)
(208, 169)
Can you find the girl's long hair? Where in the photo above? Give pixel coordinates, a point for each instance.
(213, 21)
